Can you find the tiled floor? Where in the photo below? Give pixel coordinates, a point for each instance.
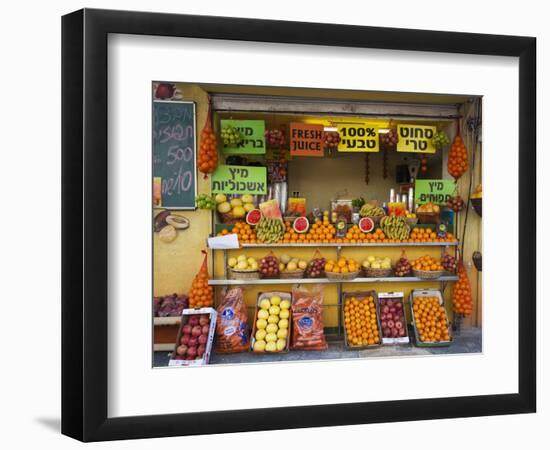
(466, 341)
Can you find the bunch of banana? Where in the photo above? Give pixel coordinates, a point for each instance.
(269, 231)
(369, 210)
(395, 227)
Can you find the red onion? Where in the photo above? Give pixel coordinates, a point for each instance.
(391, 323)
(202, 339)
(390, 303)
(399, 325)
(194, 320)
(396, 317)
(395, 332)
(387, 332)
(200, 350)
(386, 309)
(185, 339)
(193, 342)
(384, 324)
(392, 309)
(402, 332)
(205, 330)
(196, 331)
(192, 352)
(203, 321)
(186, 329)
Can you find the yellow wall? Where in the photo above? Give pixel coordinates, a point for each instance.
(175, 264)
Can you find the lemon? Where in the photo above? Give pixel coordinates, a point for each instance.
(274, 310)
(285, 304)
(270, 347)
(276, 300)
(270, 337)
(261, 324)
(247, 198)
(271, 328)
(283, 323)
(260, 335)
(224, 207)
(272, 319)
(236, 202)
(220, 198)
(232, 262)
(281, 334)
(259, 346)
(263, 314)
(264, 304)
(281, 344)
(284, 314)
(238, 211)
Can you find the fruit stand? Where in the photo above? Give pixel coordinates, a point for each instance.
(365, 212)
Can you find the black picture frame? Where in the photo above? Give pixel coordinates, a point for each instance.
(84, 224)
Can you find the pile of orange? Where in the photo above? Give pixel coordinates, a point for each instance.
(462, 293)
(428, 235)
(321, 232)
(427, 263)
(360, 321)
(457, 164)
(245, 233)
(343, 265)
(201, 294)
(430, 319)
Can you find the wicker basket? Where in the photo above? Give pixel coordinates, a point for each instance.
(292, 274)
(476, 204)
(243, 274)
(377, 273)
(431, 218)
(412, 220)
(342, 276)
(428, 274)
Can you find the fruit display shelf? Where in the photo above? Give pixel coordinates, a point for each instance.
(340, 245)
(225, 282)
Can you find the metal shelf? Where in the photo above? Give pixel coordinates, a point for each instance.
(261, 281)
(342, 245)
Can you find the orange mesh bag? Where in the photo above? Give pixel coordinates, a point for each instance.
(307, 319)
(457, 164)
(232, 333)
(201, 294)
(208, 149)
(462, 292)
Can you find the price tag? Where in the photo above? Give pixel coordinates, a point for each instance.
(415, 138)
(358, 137)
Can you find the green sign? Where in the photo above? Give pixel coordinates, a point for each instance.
(433, 191)
(239, 180)
(253, 137)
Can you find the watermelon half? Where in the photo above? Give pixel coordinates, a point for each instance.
(253, 217)
(366, 225)
(300, 225)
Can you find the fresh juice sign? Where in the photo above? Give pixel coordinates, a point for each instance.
(415, 138)
(306, 139)
(358, 137)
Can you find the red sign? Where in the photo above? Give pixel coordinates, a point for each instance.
(306, 139)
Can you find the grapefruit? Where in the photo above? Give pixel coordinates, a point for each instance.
(253, 217)
(366, 225)
(300, 225)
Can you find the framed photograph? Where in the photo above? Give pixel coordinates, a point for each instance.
(273, 224)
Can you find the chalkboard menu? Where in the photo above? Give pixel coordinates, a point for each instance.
(174, 154)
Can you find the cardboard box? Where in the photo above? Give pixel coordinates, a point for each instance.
(268, 295)
(359, 295)
(400, 297)
(211, 332)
